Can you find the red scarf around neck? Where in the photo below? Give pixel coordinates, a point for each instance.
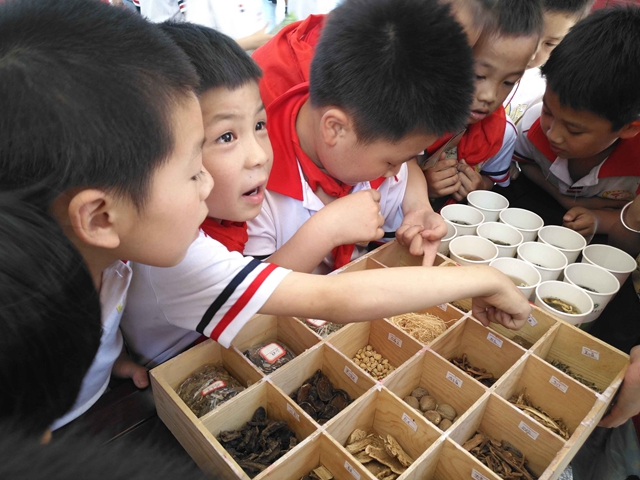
(232, 235)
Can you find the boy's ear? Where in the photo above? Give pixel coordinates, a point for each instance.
(334, 125)
(93, 214)
(630, 130)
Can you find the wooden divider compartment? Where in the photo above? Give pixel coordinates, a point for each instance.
(268, 328)
(538, 324)
(494, 416)
(585, 355)
(318, 450)
(388, 340)
(340, 370)
(558, 395)
(484, 348)
(446, 312)
(429, 370)
(311, 323)
(381, 412)
(234, 415)
(360, 264)
(395, 255)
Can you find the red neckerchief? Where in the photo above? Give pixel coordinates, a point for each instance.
(481, 141)
(287, 154)
(232, 235)
(621, 162)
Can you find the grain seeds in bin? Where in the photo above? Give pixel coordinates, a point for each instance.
(321, 327)
(382, 456)
(442, 415)
(320, 399)
(269, 356)
(207, 388)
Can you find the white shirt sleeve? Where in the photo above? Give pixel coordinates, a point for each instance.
(524, 149)
(497, 167)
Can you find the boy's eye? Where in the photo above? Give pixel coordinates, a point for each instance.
(261, 125)
(225, 138)
(509, 84)
(479, 77)
(198, 175)
(550, 45)
(574, 133)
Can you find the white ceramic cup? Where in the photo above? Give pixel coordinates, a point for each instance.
(468, 245)
(548, 260)
(568, 241)
(526, 222)
(612, 259)
(502, 233)
(591, 277)
(569, 293)
(489, 203)
(521, 270)
(463, 213)
(452, 232)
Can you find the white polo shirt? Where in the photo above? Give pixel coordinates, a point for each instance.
(282, 216)
(617, 177)
(528, 91)
(212, 292)
(113, 295)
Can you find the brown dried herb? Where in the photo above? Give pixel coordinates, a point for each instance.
(321, 327)
(565, 368)
(319, 473)
(556, 425)
(269, 356)
(480, 374)
(383, 457)
(501, 457)
(320, 399)
(207, 388)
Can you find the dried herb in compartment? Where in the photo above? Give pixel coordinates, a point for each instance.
(321, 327)
(565, 368)
(556, 425)
(207, 388)
(318, 397)
(480, 374)
(269, 356)
(501, 457)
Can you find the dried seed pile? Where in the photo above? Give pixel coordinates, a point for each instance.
(207, 388)
(322, 327)
(565, 368)
(382, 456)
(259, 443)
(269, 356)
(480, 374)
(424, 327)
(320, 399)
(373, 363)
(441, 415)
(501, 457)
(320, 473)
(556, 425)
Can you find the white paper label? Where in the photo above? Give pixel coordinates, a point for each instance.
(213, 387)
(532, 321)
(476, 475)
(443, 307)
(528, 430)
(558, 384)
(495, 340)
(316, 323)
(272, 352)
(587, 352)
(396, 340)
(350, 374)
(409, 421)
(351, 470)
(453, 379)
(293, 413)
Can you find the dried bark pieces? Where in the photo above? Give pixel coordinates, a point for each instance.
(320, 473)
(480, 374)
(501, 457)
(383, 457)
(320, 399)
(556, 425)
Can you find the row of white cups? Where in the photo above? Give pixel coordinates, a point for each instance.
(541, 264)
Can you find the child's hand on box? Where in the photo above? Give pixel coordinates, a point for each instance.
(470, 180)
(421, 232)
(443, 178)
(582, 220)
(628, 402)
(124, 367)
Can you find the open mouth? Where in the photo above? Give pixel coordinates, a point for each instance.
(251, 192)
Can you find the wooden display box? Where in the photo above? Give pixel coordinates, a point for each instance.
(378, 405)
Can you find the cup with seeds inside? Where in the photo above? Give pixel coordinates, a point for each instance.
(599, 284)
(452, 232)
(548, 260)
(465, 218)
(522, 274)
(504, 236)
(472, 250)
(564, 300)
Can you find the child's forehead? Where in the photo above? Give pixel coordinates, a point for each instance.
(229, 102)
(580, 119)
(504, 48)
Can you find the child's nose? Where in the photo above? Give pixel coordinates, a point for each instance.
(486, 93)
(257, 155)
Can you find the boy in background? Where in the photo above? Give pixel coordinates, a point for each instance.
(559, 16)
(481, 157)
(363, 115)
(580, 145)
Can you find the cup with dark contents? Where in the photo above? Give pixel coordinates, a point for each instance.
(452, 232)
(598, 283)
(465, 218)
(526, 222)
(568, 241)
(505, 237)
(521, 273)
(489, 203)
(472, 250)
(548, 260)
(564, 300)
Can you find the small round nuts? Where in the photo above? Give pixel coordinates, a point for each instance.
(428, 403)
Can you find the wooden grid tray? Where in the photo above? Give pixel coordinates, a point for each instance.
(378, 406)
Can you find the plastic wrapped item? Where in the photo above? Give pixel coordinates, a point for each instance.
(321, 327)
(269, 356)
(207, 388)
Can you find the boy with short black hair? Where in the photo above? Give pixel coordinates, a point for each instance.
(581, 144)
(559, 16)
(481, 157)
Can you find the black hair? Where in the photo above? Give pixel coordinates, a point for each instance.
(50, 323)
(88, 94)
(579, 8)
(396, 66)
(519, 17)
(87, 457)
(596, 67)
(218, 59)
